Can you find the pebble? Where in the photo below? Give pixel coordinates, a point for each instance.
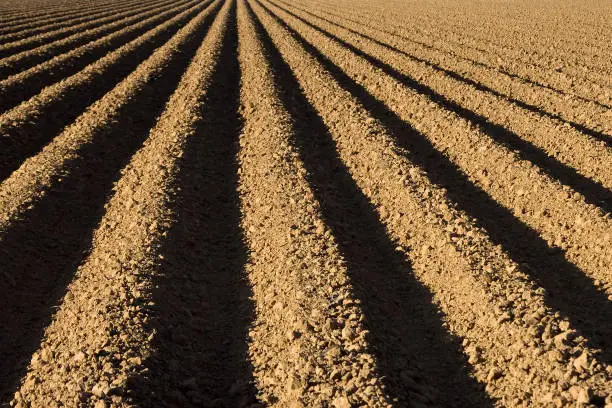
(46, 355)
(581, 363)
(100, 389)
(100, 404)
(494, 374)
(562, 339)
(341, 402)
(320, 229)
(348, 333)
(582, 395)
(80, 356)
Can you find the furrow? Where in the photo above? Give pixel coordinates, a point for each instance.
(42, 26)
(15, 33)
(554, 69)
(579, 86)
(202, 297)
(591, 54)
(22, 62)
(72, 177)
(589, 117)
(24, 85)
(24, 25)
(479, 35)
(557, 212)
(553, 31)
(30, 125)
(303, 300)
(14, 24)
(17, 18)
(551, 80)
(325, 275)
(559, 154)
(530, 70)
(68, 37)
(33, 9)
(510, 333)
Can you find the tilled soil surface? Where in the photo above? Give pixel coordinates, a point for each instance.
(249, 203)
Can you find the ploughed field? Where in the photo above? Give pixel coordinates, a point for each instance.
(306, 203)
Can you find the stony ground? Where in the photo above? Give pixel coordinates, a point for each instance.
(307, 203)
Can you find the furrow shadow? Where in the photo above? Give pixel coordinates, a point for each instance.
(34, 60)
(568, 289)
(202, 308)
(449, 53)
(408, 339)
(64, 33)
(48, 26)
(601, 136)
(32, 136)
(593, 192)
(40, 253)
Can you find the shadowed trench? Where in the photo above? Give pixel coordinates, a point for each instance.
(39, 77)
(568, 289)
(202, 307)
(59, 37)
(413, 350)
(40, 253)
(452, 55)
(593, 192)
(18, 144)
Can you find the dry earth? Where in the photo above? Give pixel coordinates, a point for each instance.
(307, 203)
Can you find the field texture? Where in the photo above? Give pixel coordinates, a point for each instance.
(305, 203)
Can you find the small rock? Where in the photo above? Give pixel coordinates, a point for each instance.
(333, 353)
(341, 402)
(494, 374)
(46, 355)
(473, 353)
(80, 356)
(561, 340)
(320, 229)
(100, 404)
(425, 249)
(135, 361)
(17, 397)
(100, 389)
(335, 374)
(582, 363)
(348, 333)
(582, 395)
(35, 361)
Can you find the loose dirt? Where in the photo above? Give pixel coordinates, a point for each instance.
(252, 203)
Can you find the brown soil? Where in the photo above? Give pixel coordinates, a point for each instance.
(65, 37)
(21, 61)
(248, 203)
(42, 26)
